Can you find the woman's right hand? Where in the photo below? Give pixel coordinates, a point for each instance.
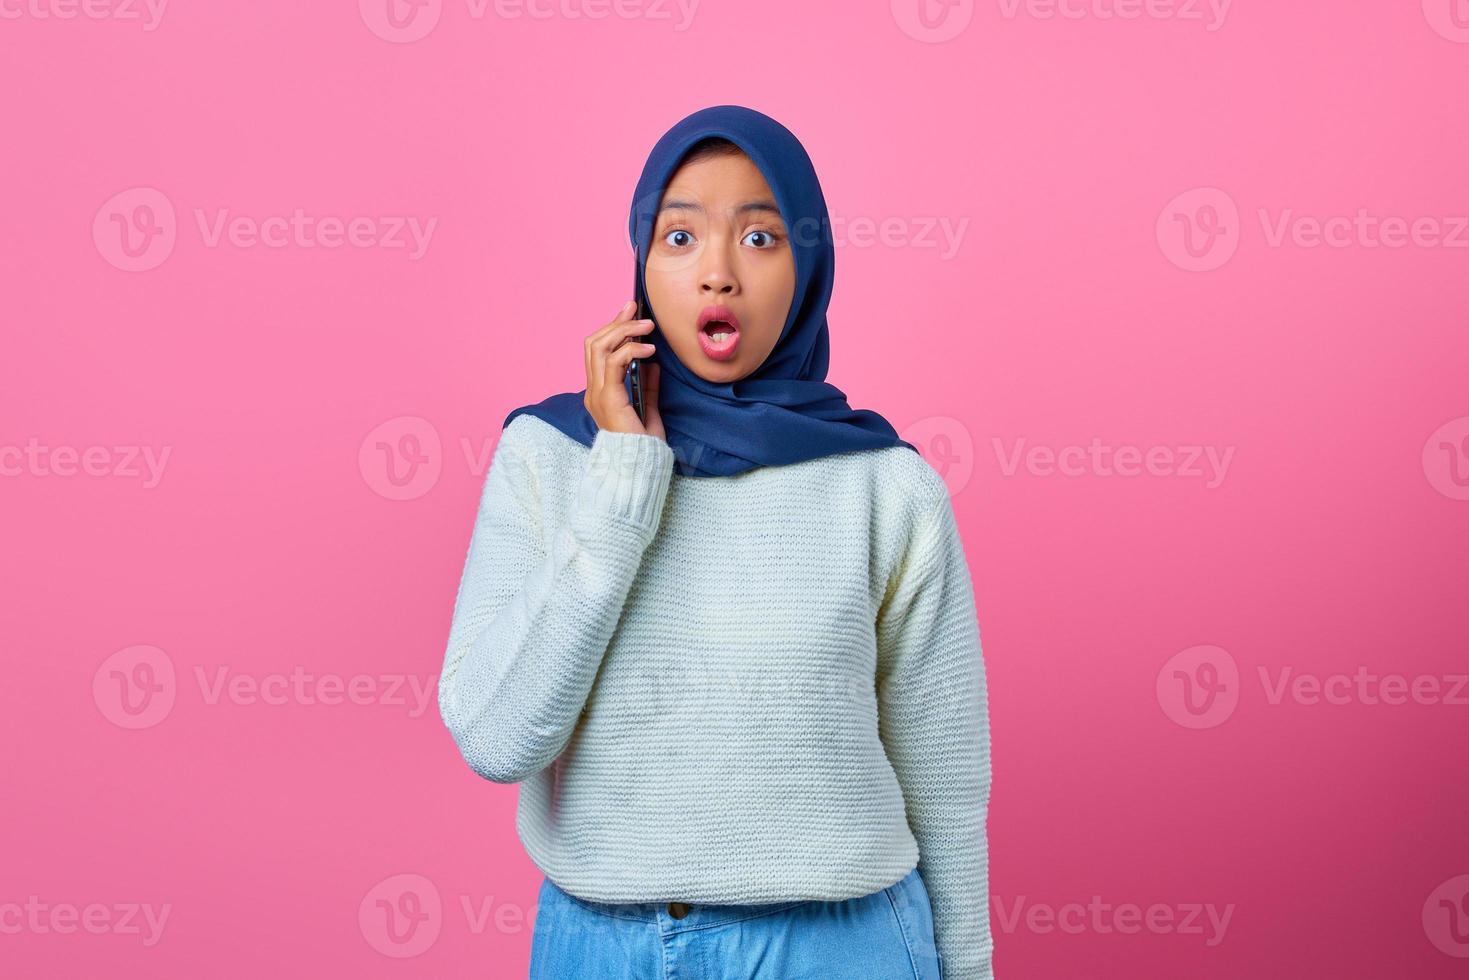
(609, 351)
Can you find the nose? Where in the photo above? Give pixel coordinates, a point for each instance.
(716, 273)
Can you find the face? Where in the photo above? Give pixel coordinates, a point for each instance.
(720, 252)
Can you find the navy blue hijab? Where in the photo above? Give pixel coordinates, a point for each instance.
(784, 411)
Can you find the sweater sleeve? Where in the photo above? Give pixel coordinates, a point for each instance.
(934, 724)
(537, 607)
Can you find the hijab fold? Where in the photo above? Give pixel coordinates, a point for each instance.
(784, 411)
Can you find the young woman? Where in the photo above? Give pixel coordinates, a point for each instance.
(729, 649)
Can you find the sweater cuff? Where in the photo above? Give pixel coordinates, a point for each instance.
(627, 479)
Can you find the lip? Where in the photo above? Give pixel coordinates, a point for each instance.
(726, 350)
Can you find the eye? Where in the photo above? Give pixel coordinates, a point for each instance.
(676, 231)
(771, 239)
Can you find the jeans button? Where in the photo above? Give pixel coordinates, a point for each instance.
(678, 909)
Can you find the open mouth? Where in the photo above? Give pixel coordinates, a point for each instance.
(719, 332)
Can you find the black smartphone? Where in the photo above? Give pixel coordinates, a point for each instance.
(640, 313)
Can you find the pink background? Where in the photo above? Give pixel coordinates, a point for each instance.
(1101, 288)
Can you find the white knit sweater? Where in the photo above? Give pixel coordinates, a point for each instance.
(741, 689)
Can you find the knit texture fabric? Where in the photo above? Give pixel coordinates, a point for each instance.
(742, 689)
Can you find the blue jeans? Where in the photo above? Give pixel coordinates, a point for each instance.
(887, 935)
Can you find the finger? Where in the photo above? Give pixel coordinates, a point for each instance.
(623, 356)
(633, 331)
(629, 309)
(617, 361)
(624, 315)
(595, 346)
(613, 336)
(651, 372)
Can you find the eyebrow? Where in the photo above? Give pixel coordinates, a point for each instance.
(763, 206)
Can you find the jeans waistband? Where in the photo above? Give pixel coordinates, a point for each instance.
(700, 915)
